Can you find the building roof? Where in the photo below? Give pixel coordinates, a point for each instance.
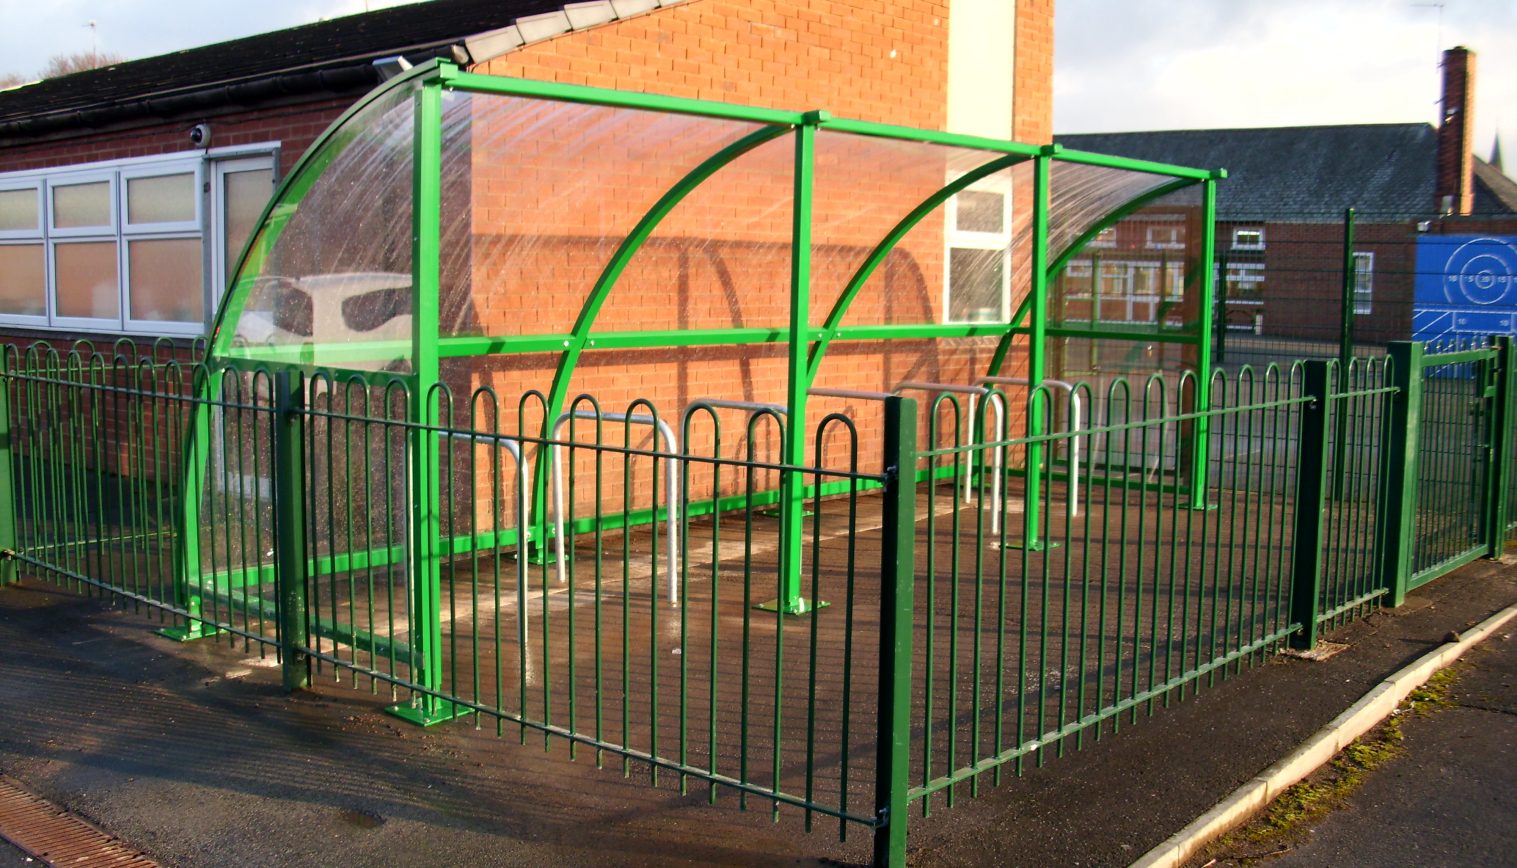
(1304, 172)
(1495, 193)
(333, 56)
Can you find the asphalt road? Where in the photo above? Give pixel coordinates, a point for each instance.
(193, 753)
(1451, 799)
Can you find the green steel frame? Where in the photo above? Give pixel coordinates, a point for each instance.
(807, 344)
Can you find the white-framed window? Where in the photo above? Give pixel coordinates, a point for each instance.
(1079, 283)
(977, 255)
(23, 253)
(1248, 238)
(1165, 236)
(1105, 238)
(1245, 283)
(1364, 283)
(127, 246)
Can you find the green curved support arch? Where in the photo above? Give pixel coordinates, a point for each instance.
(888, 244)
(302, 177)
(1074, 248)
(580, 334)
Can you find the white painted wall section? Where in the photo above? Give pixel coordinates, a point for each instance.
(981, 66)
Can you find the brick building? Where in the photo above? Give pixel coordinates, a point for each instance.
(1280, 233)
(128, 191)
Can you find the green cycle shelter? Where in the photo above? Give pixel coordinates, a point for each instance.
(456, 229)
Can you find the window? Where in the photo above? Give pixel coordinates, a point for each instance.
(1105, 238)
(23, 256)
(1250, 238)
(977, 279)
(1078, 279)
(1171, 237)
(1244, 283)
(125, 246)
(1364, 282)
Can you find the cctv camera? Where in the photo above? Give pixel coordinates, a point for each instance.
(200, 135)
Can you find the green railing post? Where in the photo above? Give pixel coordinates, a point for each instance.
(1503, 415)
(7, 481)
(897, 577)
(1395, 524)
(1311, 479)
(1345, 350)
(290, 528)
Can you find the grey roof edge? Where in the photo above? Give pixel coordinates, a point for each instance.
(337, 76)
(1495, 182)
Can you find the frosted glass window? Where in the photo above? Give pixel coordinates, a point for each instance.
(22, 284)
(975, 281)
(18, 210)
(980, 211)
(82, 205)
(161, 199)
(85, 278)
(245, 195)
(165, 277)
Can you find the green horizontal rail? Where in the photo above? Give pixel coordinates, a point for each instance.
(1131, 165)
(472, 82)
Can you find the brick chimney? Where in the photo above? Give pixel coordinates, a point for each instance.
(1454, 185)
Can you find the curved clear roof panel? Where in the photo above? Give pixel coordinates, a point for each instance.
(1081, 195)
(538, 196)
(328, 277)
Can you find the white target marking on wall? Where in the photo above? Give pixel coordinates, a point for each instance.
(1482, 271)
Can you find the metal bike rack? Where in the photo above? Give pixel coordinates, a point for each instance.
(671, 485)
(994, 400)
(523, 480)
(1074, 443)
(523, 512)
(752, 407)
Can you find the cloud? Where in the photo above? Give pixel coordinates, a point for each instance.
(1193, 64)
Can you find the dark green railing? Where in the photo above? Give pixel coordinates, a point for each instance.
(956, 639)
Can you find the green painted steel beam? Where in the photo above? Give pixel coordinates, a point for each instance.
(933, 137)
(474, 82)
(916, 331)
(1129, 164)
(886, 245)
(425, 497)
(797, 376)
(1200, 456)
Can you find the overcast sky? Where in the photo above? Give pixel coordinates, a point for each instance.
(1178, 64)
(1120, 64)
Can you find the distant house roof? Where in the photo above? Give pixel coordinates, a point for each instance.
(1311, 173)
(334, 56)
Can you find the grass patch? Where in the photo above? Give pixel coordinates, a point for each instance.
(1286, 820)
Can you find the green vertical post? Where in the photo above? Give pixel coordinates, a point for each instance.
(1037, 344)
(1311, 479)
(7, 481)
(798, 382)
(290, 528)
(195, 471)
(1395, 523)
(425, 708)
(1503, 416)
(897, 578)
(1345, 351)
(1201, 430)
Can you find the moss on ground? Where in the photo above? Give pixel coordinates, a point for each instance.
(1286, 820)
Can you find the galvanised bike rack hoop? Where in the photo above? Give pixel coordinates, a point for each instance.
(415, 360)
